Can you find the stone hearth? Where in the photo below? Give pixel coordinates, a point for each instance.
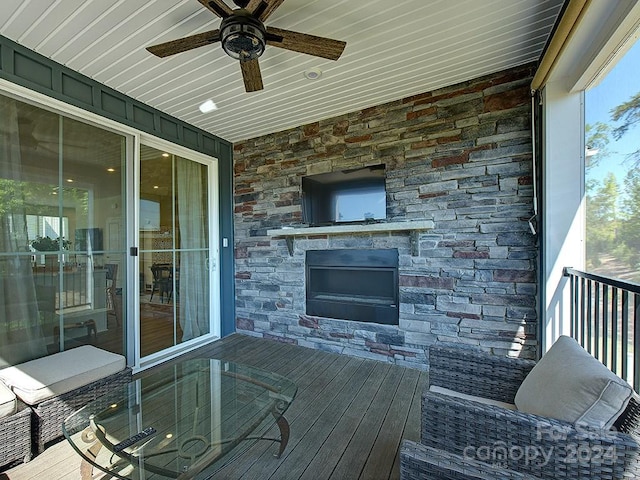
(457, 159)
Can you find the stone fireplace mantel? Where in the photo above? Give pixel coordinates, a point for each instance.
(414, 227)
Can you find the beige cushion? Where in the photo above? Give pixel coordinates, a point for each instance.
(47, 377)
(8, 403)
(464, 396)
(571, 385)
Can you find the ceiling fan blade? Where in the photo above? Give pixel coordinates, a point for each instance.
(253, 5)
(218, 7)
(304, 43)
(251, 75)
(184, 44)
(264, 8)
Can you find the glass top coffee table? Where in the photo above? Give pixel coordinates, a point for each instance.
(184, 421)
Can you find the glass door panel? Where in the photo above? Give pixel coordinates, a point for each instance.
(61, 185)
(174, 250)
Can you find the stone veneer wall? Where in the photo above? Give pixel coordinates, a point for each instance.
(460, 156)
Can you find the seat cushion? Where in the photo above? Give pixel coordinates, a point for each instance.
(46, 377)
(570, 384)
(8, 402)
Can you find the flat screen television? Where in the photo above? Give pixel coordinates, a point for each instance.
(345, 196)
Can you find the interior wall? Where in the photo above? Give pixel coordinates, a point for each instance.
(460, 157)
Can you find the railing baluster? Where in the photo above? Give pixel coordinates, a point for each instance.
(573, 306)
(614, 330)
(583, 282)
(596, 319)
(625, 333)
(636, 342)
(605, 325)
(587, 299)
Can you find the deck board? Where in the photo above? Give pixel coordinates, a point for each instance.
(347, 420)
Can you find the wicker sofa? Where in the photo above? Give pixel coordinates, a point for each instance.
(463, 438)
(53, 387)
(15, 428)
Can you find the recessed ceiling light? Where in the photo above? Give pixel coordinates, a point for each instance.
(156, 186)
(313, 73)
(165, 155)
(208, 106)
(69, 180)
(111, 170)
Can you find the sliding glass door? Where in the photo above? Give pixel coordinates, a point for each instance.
(62, 245)
(70, 213)
(175, 251)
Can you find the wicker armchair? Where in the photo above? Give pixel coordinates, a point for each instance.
(465, 439)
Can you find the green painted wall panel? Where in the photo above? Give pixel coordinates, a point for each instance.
(168, 127)
(33, 70)
(143, 116)
(214, 147)
(190, 136)
(77, 89)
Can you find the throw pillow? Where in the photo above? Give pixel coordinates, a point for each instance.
(570, 384)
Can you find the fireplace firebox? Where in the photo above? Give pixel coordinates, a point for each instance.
(353, 284)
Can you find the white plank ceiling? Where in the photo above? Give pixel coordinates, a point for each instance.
(395, 48)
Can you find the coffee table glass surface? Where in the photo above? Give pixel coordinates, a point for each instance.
(184, 421)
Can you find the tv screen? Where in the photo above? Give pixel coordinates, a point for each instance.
(346, 196)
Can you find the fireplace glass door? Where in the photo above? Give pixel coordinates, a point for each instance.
(353, 284)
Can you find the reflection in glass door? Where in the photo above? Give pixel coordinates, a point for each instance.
(174, 239)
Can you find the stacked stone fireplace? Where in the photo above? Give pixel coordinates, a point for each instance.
(458, 167)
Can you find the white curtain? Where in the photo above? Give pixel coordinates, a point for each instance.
(193, 269)
(21, 335)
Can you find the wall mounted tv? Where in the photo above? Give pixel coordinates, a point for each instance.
(345, 196)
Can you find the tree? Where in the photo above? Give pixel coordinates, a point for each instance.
(596, 140)
(602, 218)
(629, 114)
(630, 227)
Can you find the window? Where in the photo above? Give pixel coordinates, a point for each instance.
(612, 171)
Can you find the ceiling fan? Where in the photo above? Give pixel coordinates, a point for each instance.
(244, 36)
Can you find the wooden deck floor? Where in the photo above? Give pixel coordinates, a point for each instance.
(347, 420)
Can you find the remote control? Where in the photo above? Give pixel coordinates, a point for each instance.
(134, 439)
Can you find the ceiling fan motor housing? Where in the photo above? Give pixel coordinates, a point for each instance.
(242, 36)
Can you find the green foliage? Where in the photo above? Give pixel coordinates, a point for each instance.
(596, 139)
(602, 220)
(629, 114)
(48, 244)
(630, 227)
(613, 214)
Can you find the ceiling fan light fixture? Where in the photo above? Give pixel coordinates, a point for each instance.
(242, 36)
